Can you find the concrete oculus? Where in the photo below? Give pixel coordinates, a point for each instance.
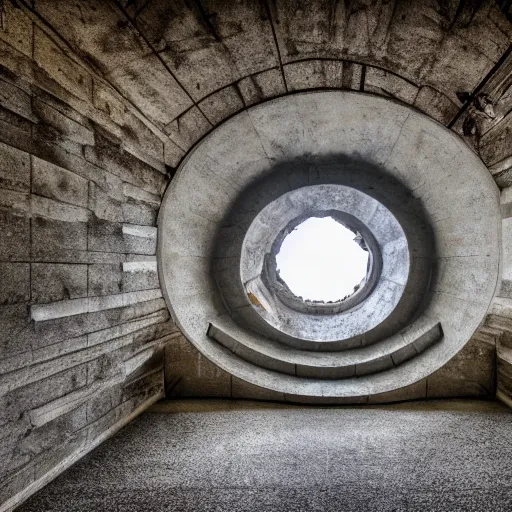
(321, 260)
(328, 321)
(244, 261)
(435, 188)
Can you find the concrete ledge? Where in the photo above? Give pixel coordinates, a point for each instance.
(52, 410)
(140, 231)
(43, 312)
(328, 365)
(253, 271)
(139, 266)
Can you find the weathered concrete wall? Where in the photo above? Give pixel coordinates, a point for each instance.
(462, 201)
(82, 321)
(471, 373)
(189, 65)
(91, 115)
(494, 143)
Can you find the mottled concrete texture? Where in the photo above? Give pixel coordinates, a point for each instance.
(250, 272)
(100, 102)
(324, 138)
(81, 336)
(471, 373)
(237, 456)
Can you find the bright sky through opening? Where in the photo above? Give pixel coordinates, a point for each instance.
(319, 260)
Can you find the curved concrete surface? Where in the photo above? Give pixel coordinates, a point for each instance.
(452, 184)
(389, 283)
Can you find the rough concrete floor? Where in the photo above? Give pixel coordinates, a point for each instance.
(243, 456)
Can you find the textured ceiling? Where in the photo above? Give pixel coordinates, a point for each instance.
(187, 65)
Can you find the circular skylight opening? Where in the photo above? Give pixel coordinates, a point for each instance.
(323, 261)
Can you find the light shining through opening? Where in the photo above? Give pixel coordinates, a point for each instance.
(320, 260)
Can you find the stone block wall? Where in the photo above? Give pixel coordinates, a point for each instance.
(190, 65)
(470, 374)
(83, 324)
(494, 143)
(100, 100)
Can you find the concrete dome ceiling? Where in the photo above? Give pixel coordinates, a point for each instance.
(400, 174)
(106, 105)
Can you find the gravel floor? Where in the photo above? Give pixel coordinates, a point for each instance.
(243, 456)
